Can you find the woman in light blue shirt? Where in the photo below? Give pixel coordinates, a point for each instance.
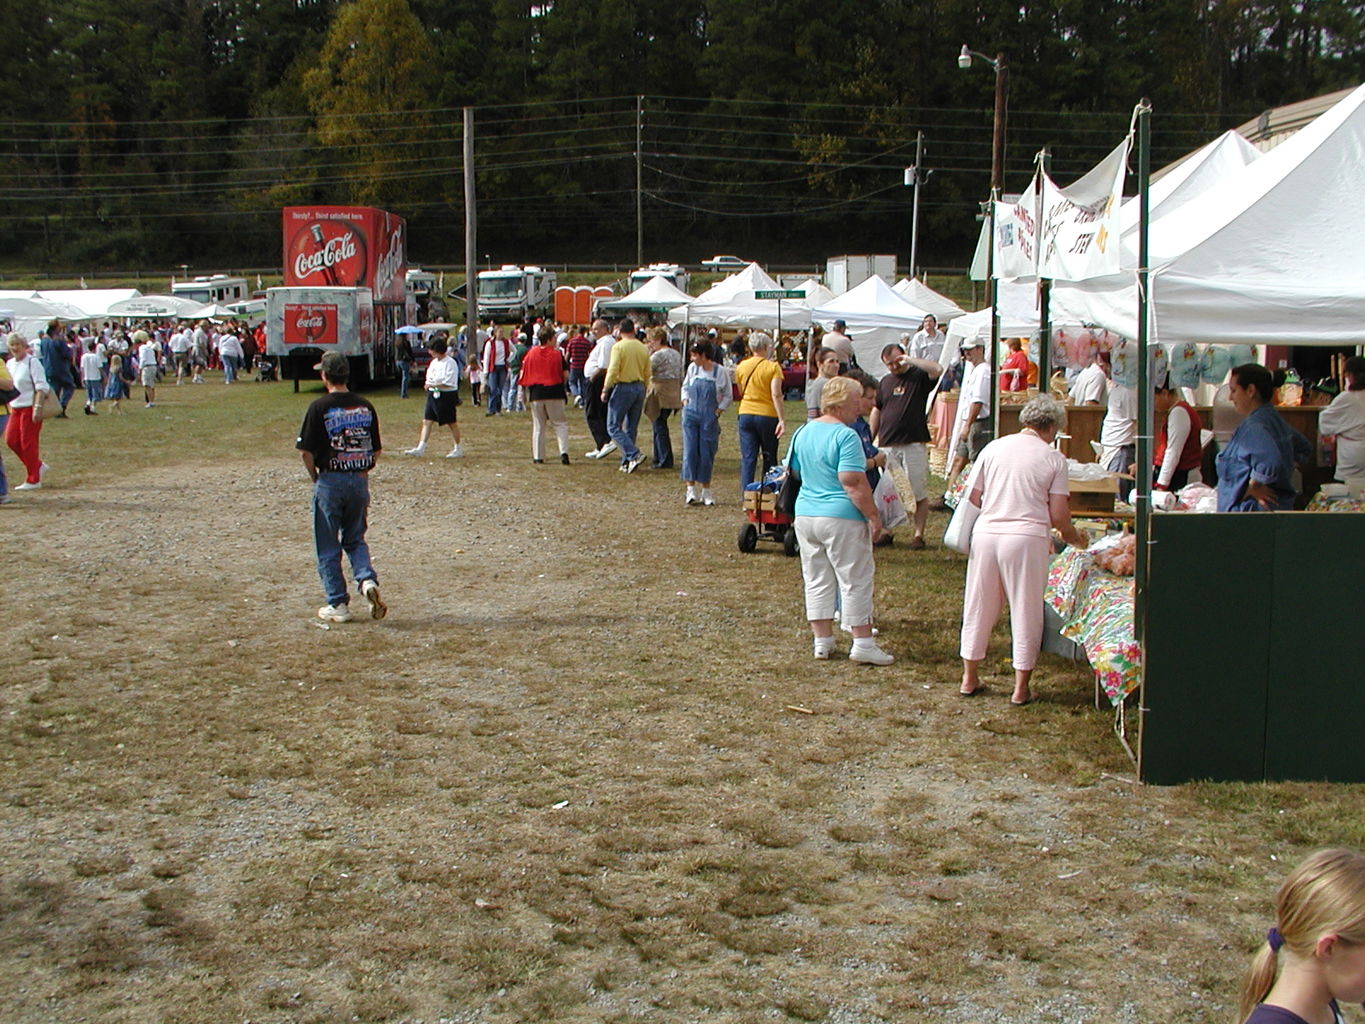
(836, 523)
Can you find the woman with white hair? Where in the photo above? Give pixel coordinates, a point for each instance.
(837, 523)
(23, 428)
(1020, 484)
(761, 420)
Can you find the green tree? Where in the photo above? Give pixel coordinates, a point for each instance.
(369, 90)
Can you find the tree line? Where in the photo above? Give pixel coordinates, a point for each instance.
(172, 132)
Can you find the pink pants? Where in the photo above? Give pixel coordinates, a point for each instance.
(1005, 567)
(21, 434)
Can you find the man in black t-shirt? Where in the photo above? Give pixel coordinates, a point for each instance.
(339, 442)
(900, 426)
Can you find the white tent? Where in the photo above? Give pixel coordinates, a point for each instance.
(92, 302)
(917, 293)
(155, 306)
(655, 293)
(875, 315)
(816, 293)
(1272, 255)
(29, 313)
(733, 302)
(1018, 305)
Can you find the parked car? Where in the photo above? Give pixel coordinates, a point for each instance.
(725, 263)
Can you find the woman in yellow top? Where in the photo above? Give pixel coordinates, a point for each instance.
(761, 420)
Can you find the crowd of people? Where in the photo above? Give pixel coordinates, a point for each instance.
(105, 362)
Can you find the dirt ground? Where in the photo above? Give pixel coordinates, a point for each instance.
(585, 770)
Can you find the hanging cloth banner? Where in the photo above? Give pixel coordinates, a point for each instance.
(1016, 235)
(1080, 230)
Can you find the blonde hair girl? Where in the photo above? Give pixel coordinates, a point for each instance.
(1315, 954)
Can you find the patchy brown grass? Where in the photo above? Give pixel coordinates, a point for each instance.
(562, 780)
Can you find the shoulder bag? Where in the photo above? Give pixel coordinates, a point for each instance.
(958, 536)
(787, 492)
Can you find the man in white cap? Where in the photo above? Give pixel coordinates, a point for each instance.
(972, 430)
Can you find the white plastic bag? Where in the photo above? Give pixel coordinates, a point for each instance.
(888, 502)
(958, 536)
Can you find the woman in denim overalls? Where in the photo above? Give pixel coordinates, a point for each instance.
(706, 392)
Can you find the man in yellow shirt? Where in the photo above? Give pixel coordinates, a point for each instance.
(627, 378)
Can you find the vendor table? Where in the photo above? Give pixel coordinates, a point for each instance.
(1096, 609)
(941, 418)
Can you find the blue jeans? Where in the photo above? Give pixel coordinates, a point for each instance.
(577, 383)
(493, 385)
(663, 443)
(624, 407)
(230, 368)
(701, 437)
(4, 482)
(756, 433)
(403, 378)
(341, 503)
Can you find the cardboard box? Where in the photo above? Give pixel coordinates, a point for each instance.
(1093, 495)
(760, 501)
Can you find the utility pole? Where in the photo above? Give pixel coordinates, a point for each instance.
(639, 182)
(914, 216)
(470, 237)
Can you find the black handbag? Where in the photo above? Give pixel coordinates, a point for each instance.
(785, 502)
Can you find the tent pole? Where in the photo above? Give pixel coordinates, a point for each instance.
(1142, 491)
(1044, 286)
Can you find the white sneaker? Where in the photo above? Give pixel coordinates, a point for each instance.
(707, 498)
(692, 498)
(419, 450)
(370, 590)
(455, 453)
(335, 613)
(632, 465)
(596, 453)
(606, 449)
(870, 655)
(28, 487)
(823, 651)
(43, 467)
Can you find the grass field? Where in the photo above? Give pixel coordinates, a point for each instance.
(585, 770)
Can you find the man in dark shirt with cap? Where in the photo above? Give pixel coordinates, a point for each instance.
(339, 442)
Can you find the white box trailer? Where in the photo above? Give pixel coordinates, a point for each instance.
(845, 272)
(303, 323)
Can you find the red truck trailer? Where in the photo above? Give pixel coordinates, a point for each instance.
(343, 291)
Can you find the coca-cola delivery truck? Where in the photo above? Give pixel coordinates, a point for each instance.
(344, 270)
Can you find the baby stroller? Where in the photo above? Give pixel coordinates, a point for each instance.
(764, 521)
(265, 369)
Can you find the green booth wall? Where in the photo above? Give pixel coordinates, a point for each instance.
(1254, 650)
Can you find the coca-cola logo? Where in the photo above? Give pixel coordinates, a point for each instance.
(333, 251)
(391, 264)
(315, 322)
(327, 252)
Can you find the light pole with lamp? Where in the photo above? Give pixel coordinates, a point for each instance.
(964, 61)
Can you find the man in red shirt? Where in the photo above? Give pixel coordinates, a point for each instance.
(577, 348)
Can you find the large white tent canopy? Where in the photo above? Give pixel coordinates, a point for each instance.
(875, 316)
(1271, 255)
(733, 302)
(155, 306)
(920, 295)
(656, 293)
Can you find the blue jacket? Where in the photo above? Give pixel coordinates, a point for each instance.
(56, 359)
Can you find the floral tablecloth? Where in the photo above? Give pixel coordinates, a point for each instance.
(1320, 503)
(1096, 608)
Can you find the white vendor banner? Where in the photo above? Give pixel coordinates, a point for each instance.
(1016, 235)
(1080, 231)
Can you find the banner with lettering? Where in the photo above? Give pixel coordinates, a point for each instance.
(1080, 229)
(1016, 235)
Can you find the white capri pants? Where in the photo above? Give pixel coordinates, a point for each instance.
(836, 556)
(551, 411)
(1001, 567)
(914, 460)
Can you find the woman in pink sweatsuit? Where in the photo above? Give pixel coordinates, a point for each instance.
(1020, 485)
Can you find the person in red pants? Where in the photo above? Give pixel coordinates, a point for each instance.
(21, 433)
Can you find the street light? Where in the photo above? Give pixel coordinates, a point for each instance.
(964, 61)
